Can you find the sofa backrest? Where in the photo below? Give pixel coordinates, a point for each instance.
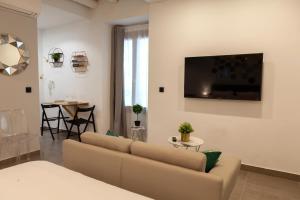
(178, 157)
(108, 142)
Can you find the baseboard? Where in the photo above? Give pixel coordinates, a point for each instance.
(35, 155)
(270, 172)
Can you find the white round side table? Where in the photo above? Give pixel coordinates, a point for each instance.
(193, 143)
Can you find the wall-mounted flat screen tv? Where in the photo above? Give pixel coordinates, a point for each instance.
(237, 77)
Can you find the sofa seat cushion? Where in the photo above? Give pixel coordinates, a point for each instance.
(108, 142)
(170, 155)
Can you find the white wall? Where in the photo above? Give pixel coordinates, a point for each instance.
(94, 37)
(12, 89)
(264, 134)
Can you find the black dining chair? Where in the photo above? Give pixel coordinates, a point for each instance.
(47, 119)
(82, 121)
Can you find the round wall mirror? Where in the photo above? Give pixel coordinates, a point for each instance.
(14, 57)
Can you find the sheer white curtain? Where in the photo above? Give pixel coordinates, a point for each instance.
(136, 59)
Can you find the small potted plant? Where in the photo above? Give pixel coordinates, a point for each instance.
(137, 109)
(185, 129)
(56, 57)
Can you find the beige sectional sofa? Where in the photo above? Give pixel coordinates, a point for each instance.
(154, 171)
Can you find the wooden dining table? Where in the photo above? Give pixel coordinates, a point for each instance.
(70, 106)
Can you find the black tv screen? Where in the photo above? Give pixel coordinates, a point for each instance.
(236, 77)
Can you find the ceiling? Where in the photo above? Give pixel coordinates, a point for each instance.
(68, 11)
(51, 16)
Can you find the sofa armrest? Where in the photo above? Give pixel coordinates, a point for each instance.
(228, 169)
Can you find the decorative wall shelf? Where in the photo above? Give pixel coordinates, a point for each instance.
(79, 61)
(56, 57)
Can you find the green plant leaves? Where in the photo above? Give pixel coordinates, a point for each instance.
(185, 128)
(137, 108)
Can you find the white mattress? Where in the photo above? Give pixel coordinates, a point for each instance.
(42, 180)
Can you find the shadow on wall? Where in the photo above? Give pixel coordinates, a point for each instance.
(254, 109)
(224, 107)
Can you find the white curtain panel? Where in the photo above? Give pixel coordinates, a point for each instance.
(136, 61)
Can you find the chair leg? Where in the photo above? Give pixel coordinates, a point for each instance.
(93, 122)
(50, 130)
(42, 128)
(69, 131)
(78, 130)
(64, 120)
(58, 122)
(94, 125)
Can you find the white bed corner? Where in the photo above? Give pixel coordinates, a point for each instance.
(41, 180)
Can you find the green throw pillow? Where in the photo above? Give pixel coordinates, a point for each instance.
(111, 133)
(212, 157)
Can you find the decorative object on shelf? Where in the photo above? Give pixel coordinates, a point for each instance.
(14, 57)
(185, 129)
(79, 61)
(56, 57)
(137, 109)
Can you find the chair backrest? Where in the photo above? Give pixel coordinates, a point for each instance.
(50, 106)
(89, 110)
(45, 106)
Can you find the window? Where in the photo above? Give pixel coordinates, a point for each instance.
(136, 59)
